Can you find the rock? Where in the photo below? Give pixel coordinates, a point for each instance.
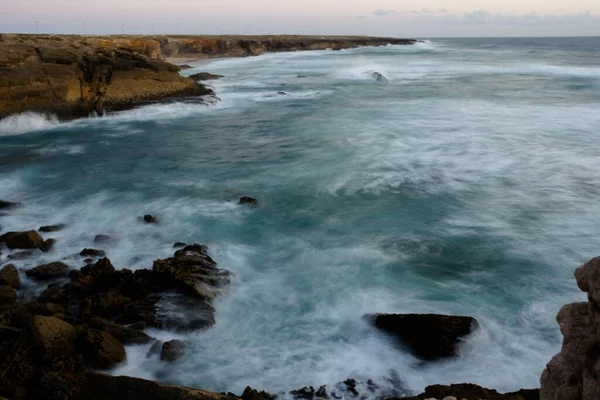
(305, 393)
(48, 245)
(5, 205)
(92, 253)
(102, 239)
(74, 76)
(428, 336)
(172, 351)
(125, 335)
(23, 254)
(248, 200)
(106, 305)
(51, 228)
(184, 67)
(23, 240)
(282, 93)
(101, 349)
(572, 374)
(154, 349)
(179, 244)
(9, 275)
(52, 334)
(252, 394)
(379, 77)
(351, 386)
(7, 295)
(322, 393)
(150, 219)
(50, 271)
(102, 387)
(301, 76)
(472, 392)
(205, 76)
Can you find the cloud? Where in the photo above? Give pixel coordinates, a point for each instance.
(383, 13)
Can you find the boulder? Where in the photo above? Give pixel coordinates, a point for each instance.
(50, 271)
(572, 374)
(469, 391)
(427, 336)
(248, 201)
(125, 335)
(92, 253)
(7, 295)
(106, 305)
(23, 240)
(51, 228)
(9, 275)
(53, 335)
(205, 76)
(101, 349)
(172, 351)
(150, 219)
(49, 245)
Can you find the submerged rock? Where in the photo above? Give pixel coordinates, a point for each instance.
(92, 253)
(379, 77)
(102, 239)
(51, 228)
(150, 219)
(205, 76)
(49, 271)
(428, 336)
(248, 200)
(23, 254)
(5, 205)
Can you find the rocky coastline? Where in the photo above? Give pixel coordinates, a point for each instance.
(58, 342)
(77, 76)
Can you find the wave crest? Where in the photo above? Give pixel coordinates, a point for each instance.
(26, 122)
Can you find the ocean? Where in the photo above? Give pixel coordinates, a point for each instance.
(465, 181)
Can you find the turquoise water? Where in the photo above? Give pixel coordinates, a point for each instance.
(467, 184)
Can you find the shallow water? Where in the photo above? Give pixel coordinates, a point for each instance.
(467, 184)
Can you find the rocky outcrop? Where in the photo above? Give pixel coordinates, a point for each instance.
(206, 76)
(73, 76)
(23, 240)
(468, 391)
(428, 336)
(574, 373)
(48, 271)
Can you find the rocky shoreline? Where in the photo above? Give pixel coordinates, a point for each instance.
(76, 76)
(55, 343)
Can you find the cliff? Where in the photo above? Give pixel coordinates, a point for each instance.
(73, 76)
(574, 373)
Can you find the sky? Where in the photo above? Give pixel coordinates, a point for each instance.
(397, 18)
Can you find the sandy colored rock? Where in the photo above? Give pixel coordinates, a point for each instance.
(101, 349)
(23, 240)
(9, 275)
(48, 271)
(54, 335)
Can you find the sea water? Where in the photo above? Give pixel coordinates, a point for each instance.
(464, 183)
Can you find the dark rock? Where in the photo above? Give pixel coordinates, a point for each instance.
(248, 200)
(282, 93)
(50, 271)
(5, 205)
(102, 239)
(125, 335)
(7, 295)
(172, 351)
(572, 374)
(469, 391)
(205, 76)
(179, 244)
(92, 253)
(150, 219)
(141, 310)
(51, 228)
(184, 67)
(379, 77)
(252, 394)
(140, 326)
(305, 393)
(101, 349)
(106, 305)
(23, 240)
(322, 393)
(9, 275)
(301, 76)
(155, 349)
(351, 386)
(428, 336)
(49, 245)
(88, 261)
(23, 254)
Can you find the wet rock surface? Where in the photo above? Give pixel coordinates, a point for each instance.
(49, 271)
(428, 336)
(206, 76)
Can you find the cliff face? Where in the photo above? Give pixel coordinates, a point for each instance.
(74, 76)
(574, 373)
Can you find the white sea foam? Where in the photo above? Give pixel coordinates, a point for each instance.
(26, 122)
